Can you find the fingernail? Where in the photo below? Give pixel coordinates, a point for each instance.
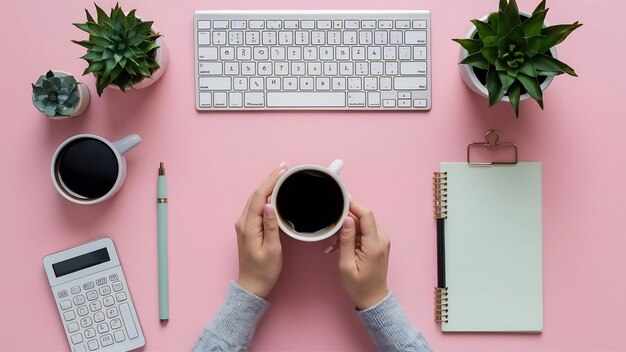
(268, 211)
(348, 223)
(282, 165)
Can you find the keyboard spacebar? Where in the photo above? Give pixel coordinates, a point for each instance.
(306, 99)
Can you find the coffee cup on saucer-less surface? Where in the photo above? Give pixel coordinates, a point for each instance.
(311, 201)
(88, 169)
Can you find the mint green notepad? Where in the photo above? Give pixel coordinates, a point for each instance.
(493, 248)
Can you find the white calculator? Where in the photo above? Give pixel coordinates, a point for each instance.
(93, 299)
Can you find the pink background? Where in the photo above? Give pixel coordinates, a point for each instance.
(214, 160)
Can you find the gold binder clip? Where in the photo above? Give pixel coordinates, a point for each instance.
(492, 137)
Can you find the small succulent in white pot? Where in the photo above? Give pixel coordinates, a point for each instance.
(510, 55)
(59, 95)
(123, 50)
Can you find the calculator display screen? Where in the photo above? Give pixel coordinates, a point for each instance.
(81, 262)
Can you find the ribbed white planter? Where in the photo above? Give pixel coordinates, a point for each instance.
(470, 79)
(83, 96)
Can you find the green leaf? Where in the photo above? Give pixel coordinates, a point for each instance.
(136, 40)
(494, 87)
(504, 24)
(91, 56)
(492, 20)
(528, 68)
(540, 7)
(531, 84)
(102, 16)
(50, 110)
(506, 80)
(556, 34)
(471, 45)
(544, 62)
(476, 60)
(89, 18)
(143, 28)
(490, 53)
(502, 5)
(101, 84)
(84, 43)
(149, 47)
(548, 73)
(533, 25)
(95, 67)
(513, 93)
(533, 44)
(49, 74)
(512, 13)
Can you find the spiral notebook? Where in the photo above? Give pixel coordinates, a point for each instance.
(493, 247)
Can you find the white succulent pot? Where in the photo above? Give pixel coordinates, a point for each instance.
(83, 96)
(469, 76)
(162, 58)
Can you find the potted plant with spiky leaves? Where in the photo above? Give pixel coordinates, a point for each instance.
(60, 95)
(123, 51)
(511, 56)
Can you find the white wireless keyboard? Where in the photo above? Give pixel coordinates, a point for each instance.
(92, 297)
(251, 60)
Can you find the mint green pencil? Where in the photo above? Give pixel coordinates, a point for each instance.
(164, 309)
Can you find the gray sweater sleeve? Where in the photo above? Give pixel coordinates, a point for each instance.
(233, 326)
(391, 329)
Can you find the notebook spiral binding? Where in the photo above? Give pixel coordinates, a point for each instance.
(440, 194)
(440, 204)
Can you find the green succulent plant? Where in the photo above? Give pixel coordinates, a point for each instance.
(56, 95)
(121, 48)
(514, 51)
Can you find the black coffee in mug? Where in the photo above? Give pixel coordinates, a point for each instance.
(309, 201)
(87, 168)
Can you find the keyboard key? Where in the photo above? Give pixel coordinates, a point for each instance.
(356, 99)
(69, 315)
(368, 24)
(129, 322)
(217, 83)
(304, 99)
(113, 277)
(205, 101)
(404, 103)
(93, 345)
(419, 24)
(351, 24)
(373, 99)
(389, 103)
(415, 37)
(106, 340)
(65, 304)
(220, 24)
(209, 53)
(292, 24)
(77, 338)
(238, 24)
(337, 24)
(204, 24)
(307, 24)
(409, 83)
(121, 296)
(413, 68)
(85, 322)
(419, 53)
(210, 68)
(403, 24)
(254, 100)
(112, 312)
(324, 24)
(119, 336)
(90, 332)
(235, 100)
(257, 24)
(116, 323)
(385, 24)
(404, 53)
(72, 327)
(204, 38)
(219, 99)
(274, 24)
(419, 103)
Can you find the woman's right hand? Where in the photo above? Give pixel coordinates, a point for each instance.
(363, 269)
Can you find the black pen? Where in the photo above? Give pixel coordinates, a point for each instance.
(441, 253)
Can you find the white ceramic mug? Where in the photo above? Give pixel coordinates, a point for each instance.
(333, 172)
(118, 148)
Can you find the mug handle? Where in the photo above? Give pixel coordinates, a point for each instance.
(126, 143)
(336, 166)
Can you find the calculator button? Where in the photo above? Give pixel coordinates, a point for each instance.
(77, 338)
(62, 294)
(131, 329)
(121, 296)
(82, 311)
(78, 300)
(117, 286)
(79, 348)
(102, 328)
(112, 312)
(113, 277)
(92, 344)
(116, 323)
(65, 304)
(72, 327)
(106, 340)
(108, 301)
(69, 315)
(95, 305)
(85, 322)
(91, 295)
(89, 333)
(105, 290)
(98, 317)
(75, 289)
(119, 336)
(101, 281)
(88, 285)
